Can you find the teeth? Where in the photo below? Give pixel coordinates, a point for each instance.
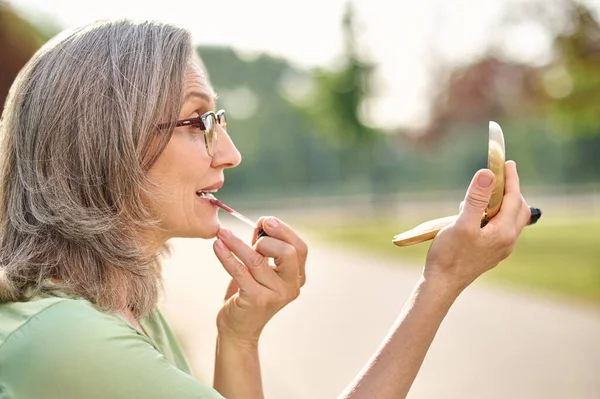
(206, 194)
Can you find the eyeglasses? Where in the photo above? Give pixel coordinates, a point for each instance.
(205, 122)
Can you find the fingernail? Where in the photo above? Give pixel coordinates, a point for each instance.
(272, 223)
(219, 244)
(536, 214)
(223, 233)
(484, 180)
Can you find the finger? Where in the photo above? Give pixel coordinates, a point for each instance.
(511, 183)
(529, 215)
(461, 206)
(524, 216)
(255, 262)
(477, 198)
(238, 272)
(512, 204)
(284, 255)
(258, 231)
(255, 236)
(261, 228)
(277, 229)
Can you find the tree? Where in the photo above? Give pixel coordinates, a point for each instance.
(336, 108)
(572, 80)
(19, 39)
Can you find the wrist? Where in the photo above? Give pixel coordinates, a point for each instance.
(444, 287)
(242, 344)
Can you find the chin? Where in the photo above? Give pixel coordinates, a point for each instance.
(203, 233)
(211, 233)
(207, 230)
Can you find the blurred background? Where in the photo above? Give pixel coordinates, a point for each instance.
(357, 120)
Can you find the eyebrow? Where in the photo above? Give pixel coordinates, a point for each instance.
(200, 94)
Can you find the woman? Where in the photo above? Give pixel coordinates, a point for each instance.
(110, 143)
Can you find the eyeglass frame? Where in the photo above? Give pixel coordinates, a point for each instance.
(220, 118)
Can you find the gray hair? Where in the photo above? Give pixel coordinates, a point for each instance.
(79, 132)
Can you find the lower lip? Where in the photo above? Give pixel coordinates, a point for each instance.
(206, 200)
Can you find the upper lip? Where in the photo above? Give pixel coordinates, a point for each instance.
(215, 186)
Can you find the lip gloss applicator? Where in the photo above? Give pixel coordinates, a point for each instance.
(239, 216)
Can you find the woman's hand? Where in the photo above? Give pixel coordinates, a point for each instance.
(463, 251)
(259, 290)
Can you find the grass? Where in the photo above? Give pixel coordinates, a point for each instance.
(555, 257)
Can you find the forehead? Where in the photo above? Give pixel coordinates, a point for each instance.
(196, 85)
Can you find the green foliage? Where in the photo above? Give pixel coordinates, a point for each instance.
(558, 257)
(284, 154)
(280, 155)
(340, 93)
(326, 148)
(573, 81)
(322, 146)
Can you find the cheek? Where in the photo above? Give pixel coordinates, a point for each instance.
(179, 170)
(190, 163)
(183, 158)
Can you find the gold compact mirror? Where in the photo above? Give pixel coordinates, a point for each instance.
(496, 158)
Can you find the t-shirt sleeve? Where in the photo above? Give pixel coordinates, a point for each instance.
(71, 350)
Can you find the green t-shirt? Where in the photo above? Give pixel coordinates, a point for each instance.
(53, 347)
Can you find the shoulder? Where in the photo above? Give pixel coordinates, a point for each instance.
(56, 321)
(163, 338)
(15, 315)
(67, 331)
(70, 349)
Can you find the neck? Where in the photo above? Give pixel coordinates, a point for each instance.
(132, 321)
(153, 241)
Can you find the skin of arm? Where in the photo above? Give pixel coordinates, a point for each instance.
(237, 369)
(255, 294)
(393, 368)
(457, 256)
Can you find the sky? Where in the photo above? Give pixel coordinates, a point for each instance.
(405, 38)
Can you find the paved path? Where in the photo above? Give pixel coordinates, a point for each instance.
(494, 344)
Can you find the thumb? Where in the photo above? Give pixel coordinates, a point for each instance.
(477, 198)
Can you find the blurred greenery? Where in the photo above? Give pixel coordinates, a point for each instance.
(307, 135)
(302, 134)
(283, 150)
(559, 258)
(570, 83)
(19, 39)
(334, 109)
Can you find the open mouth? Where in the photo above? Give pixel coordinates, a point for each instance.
(206, 194)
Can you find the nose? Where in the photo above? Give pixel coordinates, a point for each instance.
(226, 154)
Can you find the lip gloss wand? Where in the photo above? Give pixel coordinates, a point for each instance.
(239, 216)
